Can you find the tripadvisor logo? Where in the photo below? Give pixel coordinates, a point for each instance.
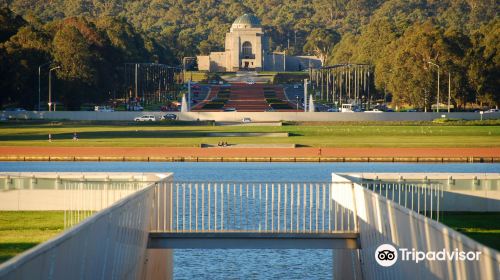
(387, 255)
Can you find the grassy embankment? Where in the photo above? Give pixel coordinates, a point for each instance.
(21, 230)
(483, 227)
(179, 134)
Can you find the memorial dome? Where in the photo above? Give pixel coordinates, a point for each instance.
(246, 21)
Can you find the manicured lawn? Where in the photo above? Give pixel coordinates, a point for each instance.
(21, 230)
(483, 227)
(324, 135)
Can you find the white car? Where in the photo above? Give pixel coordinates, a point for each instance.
(251, 82)
(374, 111)
(145, 118)
(103, 109)
(492, 111)
(246, 120)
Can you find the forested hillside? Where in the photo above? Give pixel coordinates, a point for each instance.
(398, 37)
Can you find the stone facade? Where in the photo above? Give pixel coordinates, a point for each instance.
(245, 50)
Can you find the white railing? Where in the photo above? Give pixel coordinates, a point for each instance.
(84, 198)
(26, 191)
(305, 207)
(423, 198)
(110, 244)
(387, 221)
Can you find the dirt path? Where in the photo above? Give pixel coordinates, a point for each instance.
(249, 152)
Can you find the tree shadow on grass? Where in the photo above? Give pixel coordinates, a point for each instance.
(107, 135)
(9, 250)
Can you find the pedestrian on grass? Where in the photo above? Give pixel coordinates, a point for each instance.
(75, 137)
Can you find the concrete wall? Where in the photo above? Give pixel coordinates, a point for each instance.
(238, 116)
(381, 221)
(109, 245)
(40, 191)
(203, 62)
(217, 61)
(451, 192)
(276, 61)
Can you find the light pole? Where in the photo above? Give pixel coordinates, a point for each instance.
(305, 95)
(189, 96)
(449, 90)
(437, 102)
(39, 87)
(50, 86)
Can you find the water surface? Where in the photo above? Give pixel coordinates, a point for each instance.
(249, 264)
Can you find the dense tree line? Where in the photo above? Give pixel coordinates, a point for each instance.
(90, 52)
(403, 38)
(398, 37)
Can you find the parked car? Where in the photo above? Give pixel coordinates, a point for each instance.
(374, 111)
(246, 120)
(333, 110)
(229, 109)
(15, 110)
(492, 111)
(103, 109)
(250, 82)
(295, 86)
(171, 117)
(145, 118)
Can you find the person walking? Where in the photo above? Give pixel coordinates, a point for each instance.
(50, 137)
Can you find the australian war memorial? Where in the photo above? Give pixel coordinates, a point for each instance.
(245, 49)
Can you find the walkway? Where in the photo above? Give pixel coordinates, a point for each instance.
(247, 98)
(247, 152)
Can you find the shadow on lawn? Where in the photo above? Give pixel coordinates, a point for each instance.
(9, 250)
(107, 135)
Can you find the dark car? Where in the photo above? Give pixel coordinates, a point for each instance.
(171, 117)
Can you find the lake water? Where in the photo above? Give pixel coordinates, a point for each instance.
(248, 264)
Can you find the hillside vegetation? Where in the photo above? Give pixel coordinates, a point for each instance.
(91, 38)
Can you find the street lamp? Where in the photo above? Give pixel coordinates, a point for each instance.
(50, 86)
(39, 88)
(449, 90)
(431, 63)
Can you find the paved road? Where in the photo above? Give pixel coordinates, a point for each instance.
(292, 93)
(202, 92)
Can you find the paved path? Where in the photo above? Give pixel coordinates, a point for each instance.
(249, 152)
(246, 98)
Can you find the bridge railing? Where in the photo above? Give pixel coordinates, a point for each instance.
(423, 198)
(277, 207)
(105, 241)
(386, 216)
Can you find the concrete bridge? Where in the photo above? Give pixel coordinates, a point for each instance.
(125, 225)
